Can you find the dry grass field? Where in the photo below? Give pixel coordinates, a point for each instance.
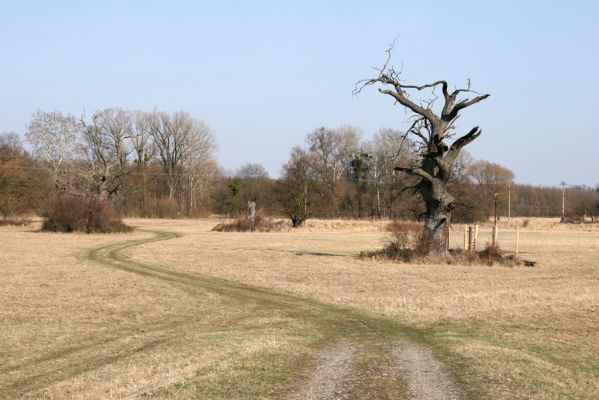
(76, 328)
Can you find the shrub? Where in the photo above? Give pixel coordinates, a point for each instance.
(406, 245)
(80, 214)
(259, 224)
(405, 240)
(16, 221)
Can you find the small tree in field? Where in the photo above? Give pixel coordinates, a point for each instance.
(299, 191)
(431, 128)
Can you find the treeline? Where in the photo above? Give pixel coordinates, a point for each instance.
(158, 164)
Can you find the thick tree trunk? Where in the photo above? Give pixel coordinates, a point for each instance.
(103, 188)
(296, 222)
(439, 204)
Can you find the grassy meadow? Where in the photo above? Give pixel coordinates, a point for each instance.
(240, 315)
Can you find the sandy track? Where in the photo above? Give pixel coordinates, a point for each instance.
(396, 369)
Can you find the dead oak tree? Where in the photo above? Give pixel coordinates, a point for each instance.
(432, 128)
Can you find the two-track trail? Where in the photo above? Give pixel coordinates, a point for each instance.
(365, 357)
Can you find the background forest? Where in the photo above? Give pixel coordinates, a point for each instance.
(163, 165)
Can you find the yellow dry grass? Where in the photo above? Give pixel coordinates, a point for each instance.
(523, 332)
(73, 329)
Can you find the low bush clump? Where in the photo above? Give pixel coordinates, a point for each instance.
(406, 245)
(81, 214)
(16, 221)
(258, 224)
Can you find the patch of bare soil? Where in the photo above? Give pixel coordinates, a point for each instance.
(396, 369)
(331, 367)
(426, 377)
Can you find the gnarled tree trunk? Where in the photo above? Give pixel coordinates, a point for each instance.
(434, 164)
(439, 204)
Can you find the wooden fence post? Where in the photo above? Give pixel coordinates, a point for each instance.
(470, 239)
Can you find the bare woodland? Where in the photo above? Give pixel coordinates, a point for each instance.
(159, 164)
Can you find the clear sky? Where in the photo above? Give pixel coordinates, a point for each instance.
(263, 74)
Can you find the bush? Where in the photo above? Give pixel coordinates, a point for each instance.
(16, 221)
(80, 214)
(259, 224)
(405, 235)
(406, 245)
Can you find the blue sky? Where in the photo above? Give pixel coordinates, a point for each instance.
(263, 74)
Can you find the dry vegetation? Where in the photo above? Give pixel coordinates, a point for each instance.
(258, 224)
(406, 245)
(73, 329)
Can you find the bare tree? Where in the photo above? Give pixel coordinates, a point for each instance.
(333, 151)
(252, 171)
(53, 137)
(489, 178)
(11, 140)
(431, 129)
(322, 144)
(254, 183)
(107, 147)
(141, 140)
(177, 138)
(346, 145)
(200, 163)
(300, 190)
(384, 150)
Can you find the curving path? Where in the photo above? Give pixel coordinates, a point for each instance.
(368, 357)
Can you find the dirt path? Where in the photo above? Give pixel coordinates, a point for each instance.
(373, 362)
(396, 369)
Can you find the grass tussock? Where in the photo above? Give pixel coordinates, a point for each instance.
(406, 245)
(78, 214)
(258, 224)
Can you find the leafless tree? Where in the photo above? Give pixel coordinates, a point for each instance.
(141, 140)
(179, 138)
(346, 145)
(252, 171)
(54, 137)
(333, 150)
(200, 162)
(432, 128)
(384, 150)
(322, 144)
(300, 189)
(11, 140)
(489, 178)
(107, 147)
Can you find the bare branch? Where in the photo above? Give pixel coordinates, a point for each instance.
(416, 171)
(460, 143)
(463, 104)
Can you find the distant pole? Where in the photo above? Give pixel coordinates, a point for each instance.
(517, 240)
(509, 200)
(563, 184)
(495, 196)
